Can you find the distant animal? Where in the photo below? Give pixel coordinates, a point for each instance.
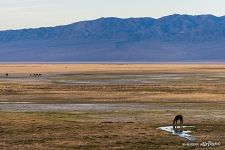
(6, 74)
(37, 74)
(177, 118)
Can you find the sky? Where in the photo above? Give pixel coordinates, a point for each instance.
(18, 14)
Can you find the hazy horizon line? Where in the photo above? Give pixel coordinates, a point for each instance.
(111, 62)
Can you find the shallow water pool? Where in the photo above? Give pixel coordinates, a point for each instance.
(183, 134)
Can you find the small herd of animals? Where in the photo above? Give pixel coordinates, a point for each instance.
(35, 75)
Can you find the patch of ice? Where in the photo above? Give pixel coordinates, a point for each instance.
(182, 134)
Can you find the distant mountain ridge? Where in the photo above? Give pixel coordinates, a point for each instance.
(170, 38)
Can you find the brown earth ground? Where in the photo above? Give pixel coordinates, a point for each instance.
(196, 91)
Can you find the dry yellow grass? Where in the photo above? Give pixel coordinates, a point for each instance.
(195, 90)
(69, 68)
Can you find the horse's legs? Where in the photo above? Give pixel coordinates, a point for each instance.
(181, 123)
(176, 124)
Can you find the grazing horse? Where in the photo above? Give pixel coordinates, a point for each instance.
(176, 119)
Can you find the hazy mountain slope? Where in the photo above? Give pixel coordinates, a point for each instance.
(171, 38)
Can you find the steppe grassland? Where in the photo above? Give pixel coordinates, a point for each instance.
(195, 90)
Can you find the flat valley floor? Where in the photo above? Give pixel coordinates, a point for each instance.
(110, 106)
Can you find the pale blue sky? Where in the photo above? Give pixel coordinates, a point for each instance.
(16, 14)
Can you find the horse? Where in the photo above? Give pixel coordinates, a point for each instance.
(177, 118)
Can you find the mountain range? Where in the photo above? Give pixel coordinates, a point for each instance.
(170, 38)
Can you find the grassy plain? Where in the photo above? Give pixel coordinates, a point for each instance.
(196, 91)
